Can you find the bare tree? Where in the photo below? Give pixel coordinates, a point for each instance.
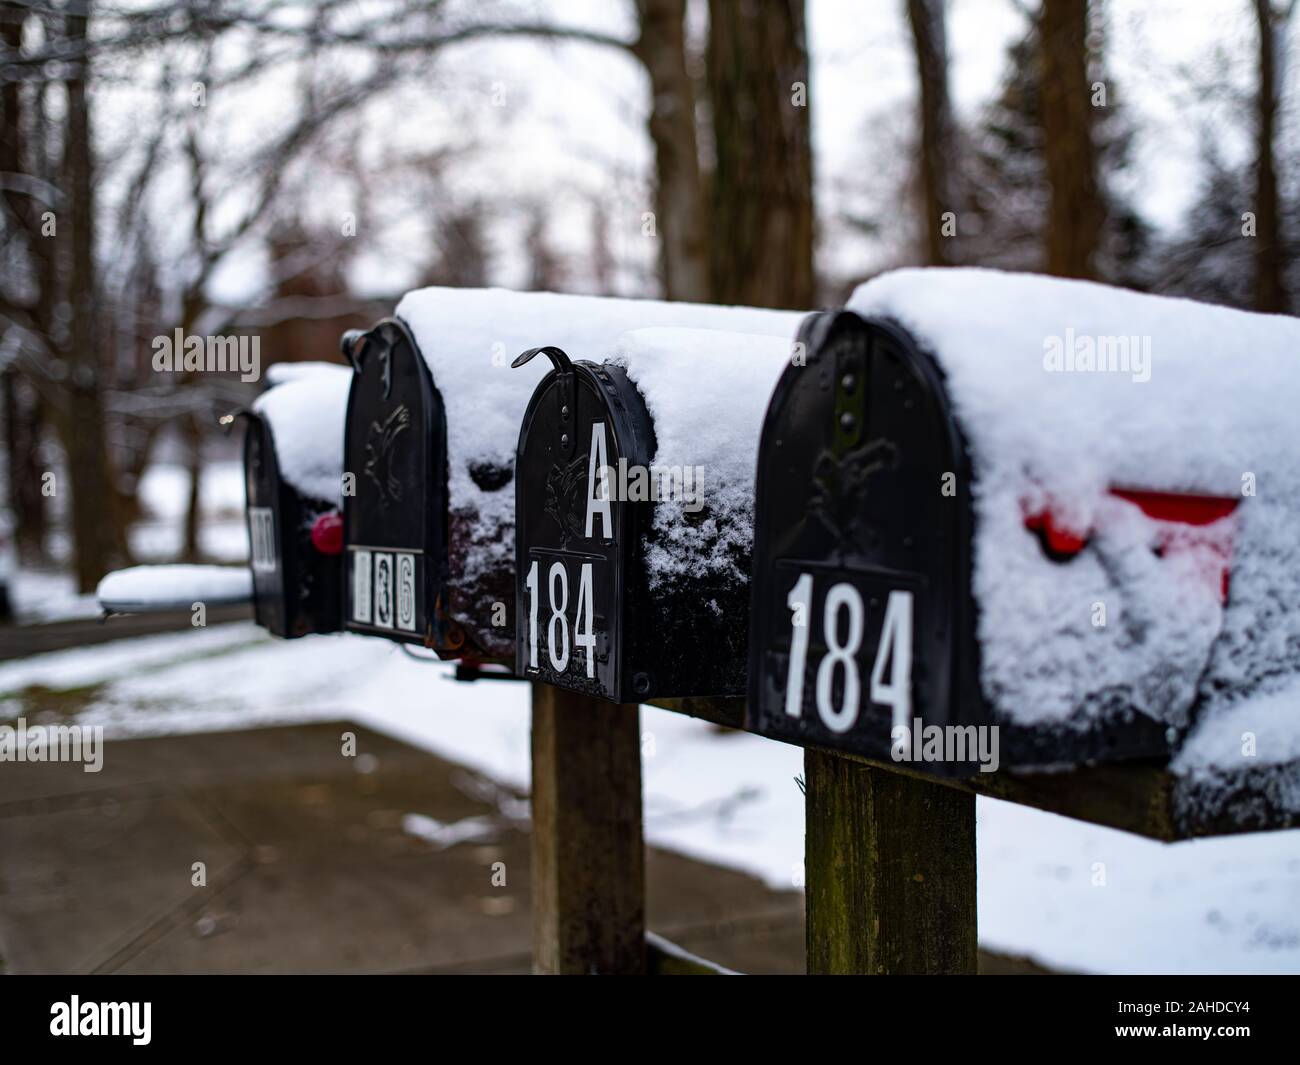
(929, 37)
(545, 267)
(601, 258)
(761, 221)
(1076, 210)
(96, 530)
(462, 256)
(20, 405)
(680, 209)
(1271, 259)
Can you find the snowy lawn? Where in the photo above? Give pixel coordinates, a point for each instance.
(51, 595)
(1225, 905)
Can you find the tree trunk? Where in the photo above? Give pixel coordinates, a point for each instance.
(681, 225)
(761, 203)
(192, 549)
(19, 403)
(1076, 212)
(96, 536)
(930, 41)
(1270, 256)
(22, 418)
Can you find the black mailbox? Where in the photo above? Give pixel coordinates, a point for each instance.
(292, 471)
(395, 503)
(632, 539)
(574, 551)
(982, 513)
(862, 617)
(429, 452)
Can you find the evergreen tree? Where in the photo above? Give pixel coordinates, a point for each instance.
(1007, 194)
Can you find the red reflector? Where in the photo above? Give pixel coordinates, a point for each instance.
(327, 533)
(1062, 544)
(1172, 506)
(1059, 541)
(1187, 510)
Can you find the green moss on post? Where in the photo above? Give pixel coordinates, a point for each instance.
(588, 852)
(890, 871)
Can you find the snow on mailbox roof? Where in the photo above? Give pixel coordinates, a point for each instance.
(707, 391)
(1191, 398)
(470, 336)
(306, 406)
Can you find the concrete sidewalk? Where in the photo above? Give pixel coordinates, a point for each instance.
(314, 862)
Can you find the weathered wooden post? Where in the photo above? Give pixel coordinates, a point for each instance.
(596, 632)
(889, 871)
(860, 625)
(588, 852)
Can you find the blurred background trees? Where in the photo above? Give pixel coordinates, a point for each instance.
(285, 170)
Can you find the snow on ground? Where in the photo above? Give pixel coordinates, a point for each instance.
(164, 491)
(1068, 894)
(51, 595)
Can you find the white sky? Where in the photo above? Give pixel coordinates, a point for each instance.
(572, 126)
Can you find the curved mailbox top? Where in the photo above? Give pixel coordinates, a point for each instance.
(394, 525)
(293, 468)
(305, 406)
(1128, 464)
(862, 614)
(467, 339)
(634, 488)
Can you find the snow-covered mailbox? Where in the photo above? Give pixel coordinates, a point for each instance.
(292, 476)
(1062, 509)
(293, 480)
(432, 425)
(634, 501)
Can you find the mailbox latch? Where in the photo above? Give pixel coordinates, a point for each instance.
(566, 395)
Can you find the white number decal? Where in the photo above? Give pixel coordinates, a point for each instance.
(261, 534)
(895, 648)
(840, 719)
(800, 602)
(557, 629)
(532, 616)
(361, 569)
(585, 638)
(893, 653)
(558, 620)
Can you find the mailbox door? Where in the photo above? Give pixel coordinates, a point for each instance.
(296, 588)
(265, 525)
(395, 514)
(574, 546)
(862, 613)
